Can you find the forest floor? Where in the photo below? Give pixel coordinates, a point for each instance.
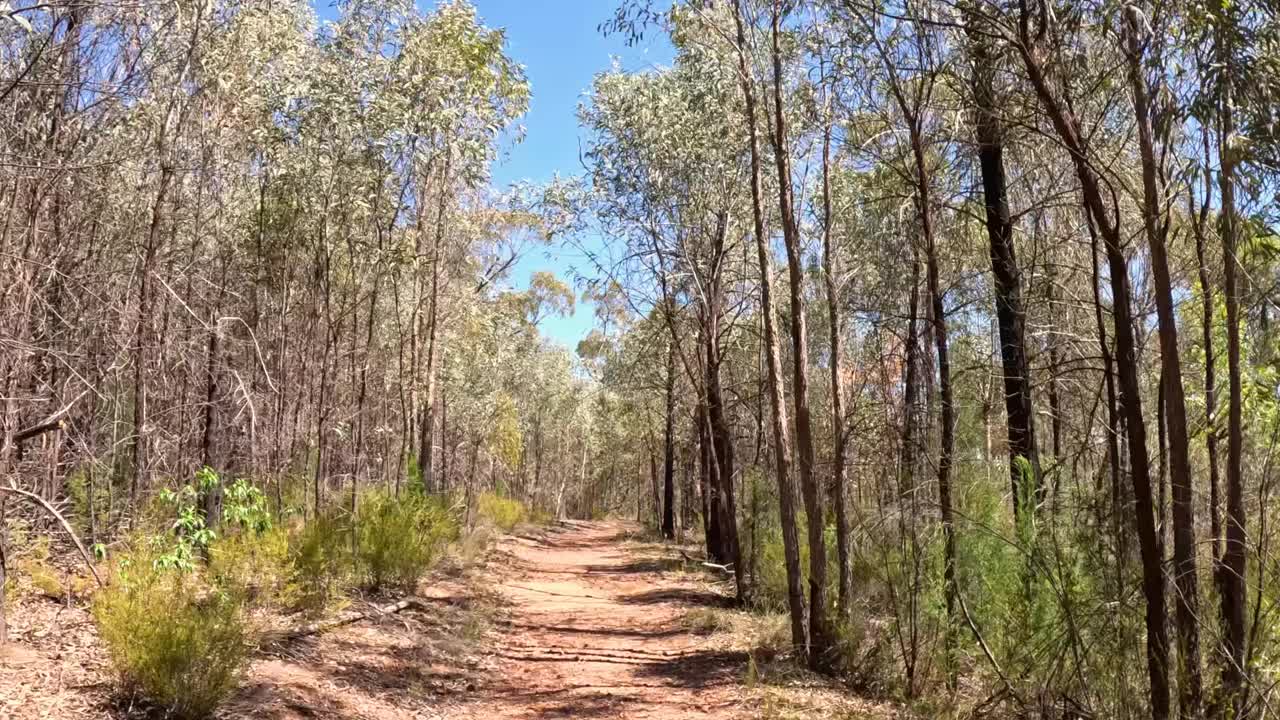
(579, 620)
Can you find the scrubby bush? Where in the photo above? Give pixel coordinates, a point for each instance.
(90, 498)
(399, 538)
(170, 637)
(43, 578)
(255, 565)
(504, 513)
(251, 555)
(320, 562)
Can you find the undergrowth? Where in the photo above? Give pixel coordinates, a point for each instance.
(175, 639)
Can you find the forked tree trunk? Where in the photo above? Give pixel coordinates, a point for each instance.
(721, 434)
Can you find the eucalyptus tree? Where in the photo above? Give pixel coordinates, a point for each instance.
(916, 45)
(665, 168)
(989, 132)
(820, 632)
(778, 410)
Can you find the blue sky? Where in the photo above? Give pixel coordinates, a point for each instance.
(561, 48)
(558, 43)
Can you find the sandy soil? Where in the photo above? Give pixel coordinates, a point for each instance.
(592, 630)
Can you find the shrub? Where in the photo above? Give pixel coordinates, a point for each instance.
(472, 547)
(770, 591)
(319, 562)
(43, 578)
(504, 513)
(244, 505)
(90, 500)
(255, 565)
(399, 538)
(170, 638)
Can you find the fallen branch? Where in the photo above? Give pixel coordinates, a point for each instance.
(352, 616)
(986, 650)
(51, 510)
(726, 569)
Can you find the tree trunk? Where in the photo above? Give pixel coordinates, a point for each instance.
(947, 416)
(1067, 127)
(721, 434)
(212, 495)
(669, 449)
(707, 482)
(426, 450)
(1010, 314)
(1231, 578)
(1113, 414)
(820, 640)
(1199, 219)
(778, 409)
(142, 342)
(1175, 415)
(839, 438)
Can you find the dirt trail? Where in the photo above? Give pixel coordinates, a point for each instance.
(572, 621)
(592, 630)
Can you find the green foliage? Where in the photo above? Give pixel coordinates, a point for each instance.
(413, 476)
(244, 505)
(1027, 586)
(505, 439)
(89, 506)
(178, 643)
(505, 513)
(189, 536)
(320, 562)
(770, 587)
(399, 538)
(256, 566)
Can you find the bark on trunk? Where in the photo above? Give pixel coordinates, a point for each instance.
(778, 410)
(1067, 127)
(1231, 578)
(1175, 411)
(947, 416)
(1010, 314)
(839, 438)
(669, 450)
(820, 641)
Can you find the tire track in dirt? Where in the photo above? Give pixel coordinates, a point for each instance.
(592, 630)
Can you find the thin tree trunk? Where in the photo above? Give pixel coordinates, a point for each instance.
(1199, 219)
(717, 423)
(778, 419)
(1231, 579)
(1186, 599)
(426, 460)
(947, 416)
(1113, 414)
(1067, 128)
(839, 438)
(820, 639)
(706, 481)
(669, 448)
(1010, 314)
